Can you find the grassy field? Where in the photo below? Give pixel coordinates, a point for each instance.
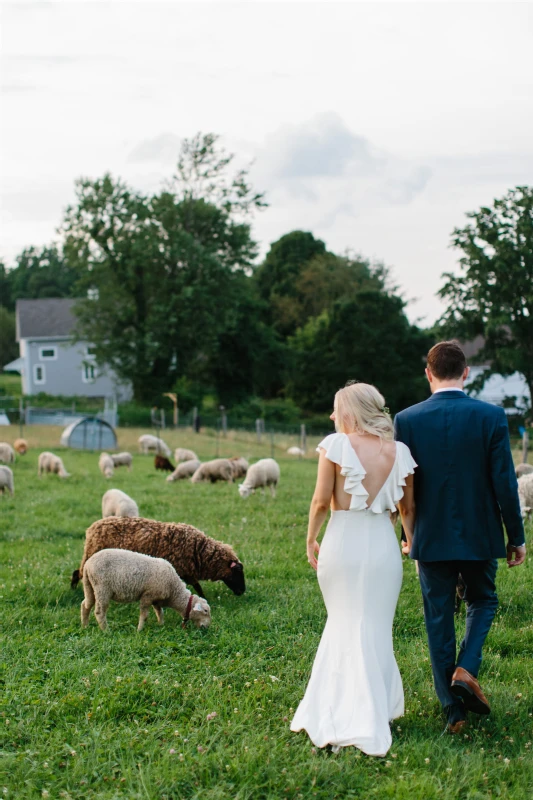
(86, 714)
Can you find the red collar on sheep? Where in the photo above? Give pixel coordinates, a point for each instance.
(187, 611)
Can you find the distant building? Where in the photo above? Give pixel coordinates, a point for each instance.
(497, 388)
(50, 361)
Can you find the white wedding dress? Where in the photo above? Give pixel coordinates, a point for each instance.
(355, 687)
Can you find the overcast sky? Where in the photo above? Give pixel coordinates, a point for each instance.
(374, 125)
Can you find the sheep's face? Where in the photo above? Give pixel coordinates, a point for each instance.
(526, 512)
(244, 491)
(235, 578)
(200, 613)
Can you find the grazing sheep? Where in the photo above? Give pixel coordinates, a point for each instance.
(152, 444)
(219, 469)
(184, 470)
(124, 577)
(524, 469)
(295, 451)
(160, 462)
(7, 454)
(6, 480)
(525, 495)
(48, 462)
(106, 466)
(194, 556)
(180, 454)
(264, 472)
(122, 460)
(239, 466)
(21, 446)
(118, 504)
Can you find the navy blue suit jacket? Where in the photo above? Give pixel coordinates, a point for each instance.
(465, 483)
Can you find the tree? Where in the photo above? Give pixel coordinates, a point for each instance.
(39, 272)
(8, 346)
(492, 295)
(162, 267)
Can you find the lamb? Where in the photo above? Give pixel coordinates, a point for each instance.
(105, 465)
(181, 454)
(264, 472)
(124, 577)
(6, 480)
(21, 446)
(295, 451)
(49, 462)
(525, 495)
(160, 462)
(194, 556)
(184, 470)
(239, 466)
(118, 504)
(153, 444)
(7, 454)
(524, 469)
(122, 460)
(219, 469)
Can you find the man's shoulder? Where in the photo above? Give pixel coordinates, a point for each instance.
(412, 411)
(432, 404)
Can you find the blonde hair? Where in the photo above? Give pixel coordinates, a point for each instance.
(360, 407)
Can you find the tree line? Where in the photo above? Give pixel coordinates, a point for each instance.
(172, 298)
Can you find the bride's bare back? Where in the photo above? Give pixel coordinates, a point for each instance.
(377, 457)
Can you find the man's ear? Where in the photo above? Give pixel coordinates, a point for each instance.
(429, 374)
(466, 373)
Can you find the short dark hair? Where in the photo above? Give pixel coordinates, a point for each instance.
(446, 360)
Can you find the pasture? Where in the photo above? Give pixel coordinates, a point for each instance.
(86, 714)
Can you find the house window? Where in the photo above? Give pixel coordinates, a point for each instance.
(89, 373)
(90, 350)
(48, 353)
(39, 374)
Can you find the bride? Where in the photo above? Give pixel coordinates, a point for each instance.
(355, 687)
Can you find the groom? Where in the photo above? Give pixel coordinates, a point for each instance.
(464, 488)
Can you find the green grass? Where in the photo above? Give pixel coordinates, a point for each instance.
(86, 714)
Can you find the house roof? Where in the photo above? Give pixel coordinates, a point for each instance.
(47, 317)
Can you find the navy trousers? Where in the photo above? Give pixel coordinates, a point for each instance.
(438, 580)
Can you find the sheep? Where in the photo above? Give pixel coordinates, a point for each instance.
(219, 469)
(264, 472)
(124, 577)
(153, 444)
(49, 462)
(118, 504)
(122, 460)
(105, 465)
(7, 454)
(180, 454)
(239, 466)
(194, 556)
(6, 480)
(21, 446)
(295, 451)
(525, 495)
(524, 469)
(160, 462)
(184, 470)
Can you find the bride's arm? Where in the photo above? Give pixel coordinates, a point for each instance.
(325, 483)
(407, 510)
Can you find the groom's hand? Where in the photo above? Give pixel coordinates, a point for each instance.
(515, 555)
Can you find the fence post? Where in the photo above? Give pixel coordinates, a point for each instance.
(525, 446)
(303, 438)
(218, 432)
(194, 418)
(259, 429)
(272, 444)
(21, 412)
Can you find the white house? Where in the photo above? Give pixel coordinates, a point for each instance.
(51, 362)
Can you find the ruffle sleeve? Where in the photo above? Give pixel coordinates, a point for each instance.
(339, 450)
(391, 493)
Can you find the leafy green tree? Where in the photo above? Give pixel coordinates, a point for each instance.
(161, 269)
(39, 272)
(8, 346)
(492, 295)
(5, 288)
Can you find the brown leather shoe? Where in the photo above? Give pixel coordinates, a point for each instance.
(465, 686)
(456, 727)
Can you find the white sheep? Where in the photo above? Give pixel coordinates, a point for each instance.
(239, 466)
(118, 504)
(6, 480)
(122, 460)
(181, 454)
(219, 469)
(264, 472)
(7, 454)
(523, 469)
(153, 444)
(525, 494)
(105, 465)
(184, 470)
(295, 451)
(124, 576)
(49, 462)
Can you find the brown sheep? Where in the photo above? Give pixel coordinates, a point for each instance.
(193, 555)
(162, 462)
(21, 446)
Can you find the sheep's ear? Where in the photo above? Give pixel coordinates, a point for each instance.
(236, 565)
(198, 607)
